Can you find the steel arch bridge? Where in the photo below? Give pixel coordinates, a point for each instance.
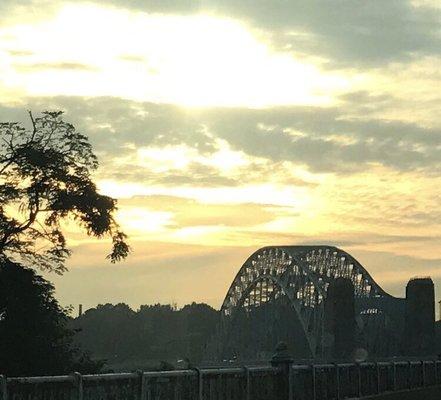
(300, 275)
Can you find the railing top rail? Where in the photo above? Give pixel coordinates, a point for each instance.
(171, 374)
(367, 364)
(42, 379)
(323, 366)
(230, 370)
(209, 371)
(385, 364)
(346, 365)
(110, 377)
(133, 375)
(301, 367)
(262, 369)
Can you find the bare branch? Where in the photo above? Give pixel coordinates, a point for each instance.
(34, 126)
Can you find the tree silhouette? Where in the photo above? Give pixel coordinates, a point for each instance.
(45, 177)
(130, 339)
(35, 338)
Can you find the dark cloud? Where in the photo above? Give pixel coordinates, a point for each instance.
(330, 141)
(323, 139)
(361, 34)
(362, 103)
(29, 9)
(347, 33)
(113, 123)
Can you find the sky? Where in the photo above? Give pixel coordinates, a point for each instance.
(223, 126)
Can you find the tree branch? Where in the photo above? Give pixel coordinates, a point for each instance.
(34, 126)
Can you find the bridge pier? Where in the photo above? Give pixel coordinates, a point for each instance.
(419, 331)
(339, 320)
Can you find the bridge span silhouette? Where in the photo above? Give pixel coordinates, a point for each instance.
(325, 305)
(297, 323)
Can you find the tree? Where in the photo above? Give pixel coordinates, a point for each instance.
(35, 339)
(45, 177)
(138, 339)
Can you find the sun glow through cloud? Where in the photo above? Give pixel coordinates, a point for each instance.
(199, 60)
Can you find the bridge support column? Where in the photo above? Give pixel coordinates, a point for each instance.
(419, 333)
(339, 320)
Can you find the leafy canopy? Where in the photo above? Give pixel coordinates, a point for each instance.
(34, 328)
(45, 177)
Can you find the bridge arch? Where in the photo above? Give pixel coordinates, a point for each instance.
(302, 274)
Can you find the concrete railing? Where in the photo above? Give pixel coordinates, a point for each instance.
(282, 380)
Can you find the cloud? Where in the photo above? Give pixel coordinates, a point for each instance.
(322, 139)
(187, 212)
(20, 53)
(69, 66)
(329, 141)
(26, 10)
(366, 34)
(362, 35)
(181, 7)
(194, 174)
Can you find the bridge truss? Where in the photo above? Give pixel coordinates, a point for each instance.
(300, 275)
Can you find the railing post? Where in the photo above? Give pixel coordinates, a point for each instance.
(409, 375)
(377, 368)
(359, 380)
(3, 387)
(200, 384)
(142, 392)
(282, 360)
(78, 379)
(290, 382)
(394, 372)
(314, 383)
(337, 380)
(247, 383)
(423, 373)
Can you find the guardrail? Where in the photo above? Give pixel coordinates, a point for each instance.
(282, 380)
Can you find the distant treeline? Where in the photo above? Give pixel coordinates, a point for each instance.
(129, 340)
